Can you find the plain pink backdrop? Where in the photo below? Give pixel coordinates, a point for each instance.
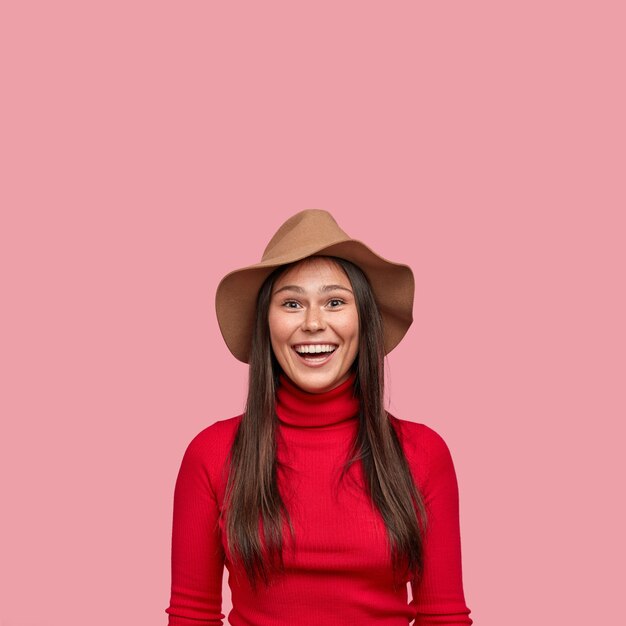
(149, 148)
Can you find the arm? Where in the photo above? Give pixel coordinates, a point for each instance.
(197, 553)
(438, 595)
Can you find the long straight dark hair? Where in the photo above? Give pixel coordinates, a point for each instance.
(252, 494)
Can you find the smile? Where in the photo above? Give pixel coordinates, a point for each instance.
(315, 354)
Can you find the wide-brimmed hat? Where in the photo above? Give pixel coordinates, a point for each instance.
(308, 233)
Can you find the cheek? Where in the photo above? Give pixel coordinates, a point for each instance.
(350, 329)
(278, 331)
(355, 328)
(275, 345)
(273, 325)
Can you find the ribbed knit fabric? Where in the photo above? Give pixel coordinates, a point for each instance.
(339, 571)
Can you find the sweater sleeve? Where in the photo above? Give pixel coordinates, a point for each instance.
(438, 597)
(197, 552)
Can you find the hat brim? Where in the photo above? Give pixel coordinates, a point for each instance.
(393, 285)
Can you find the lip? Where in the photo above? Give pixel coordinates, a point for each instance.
(317, 362)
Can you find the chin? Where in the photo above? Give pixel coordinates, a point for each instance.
(319, 385)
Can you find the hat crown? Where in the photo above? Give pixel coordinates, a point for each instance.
(304, 231)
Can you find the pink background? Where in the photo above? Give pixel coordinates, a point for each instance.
(149, 148)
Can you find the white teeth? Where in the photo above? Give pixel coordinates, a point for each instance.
(315, 349)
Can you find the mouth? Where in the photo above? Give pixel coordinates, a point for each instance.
(315, 354)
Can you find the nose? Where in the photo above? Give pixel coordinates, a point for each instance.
(313, 320)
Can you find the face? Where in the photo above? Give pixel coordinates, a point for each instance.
(314, 325)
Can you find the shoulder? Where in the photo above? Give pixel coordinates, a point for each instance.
(426, 450)
(206, 458)
(215, 439)
(419, 437)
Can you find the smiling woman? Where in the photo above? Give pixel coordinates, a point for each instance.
(321, 504)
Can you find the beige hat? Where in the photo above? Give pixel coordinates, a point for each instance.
(308, 233)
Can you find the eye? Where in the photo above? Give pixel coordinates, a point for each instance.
(335, 302)
(290, 304)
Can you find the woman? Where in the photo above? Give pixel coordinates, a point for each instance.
(321, 505)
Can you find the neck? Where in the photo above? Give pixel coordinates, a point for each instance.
(301, 409)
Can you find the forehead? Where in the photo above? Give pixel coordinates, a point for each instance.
(314, 269)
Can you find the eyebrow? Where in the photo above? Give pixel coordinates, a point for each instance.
(324, 289)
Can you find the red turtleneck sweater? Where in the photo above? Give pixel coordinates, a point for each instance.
(340, 573)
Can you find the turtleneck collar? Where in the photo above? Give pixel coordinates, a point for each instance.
(302, 409)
